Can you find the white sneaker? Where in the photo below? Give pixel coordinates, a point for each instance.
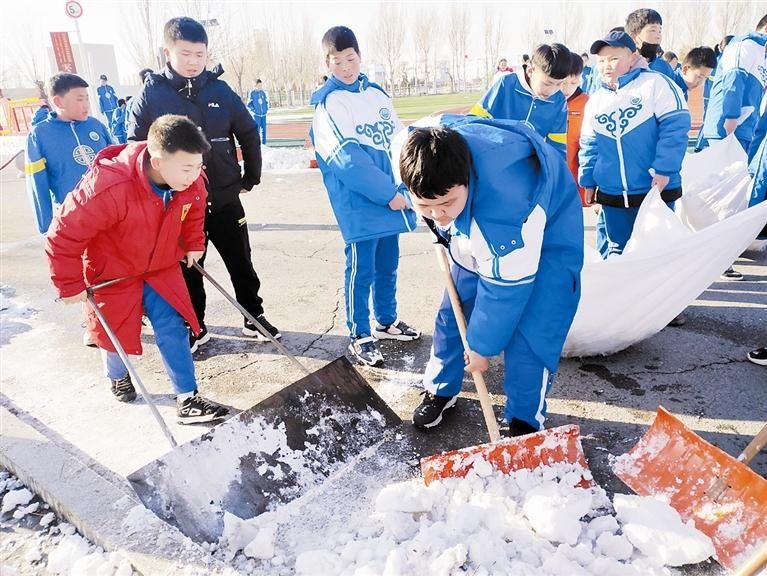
(397, 331)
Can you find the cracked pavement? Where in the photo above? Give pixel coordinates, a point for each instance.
(698, 371)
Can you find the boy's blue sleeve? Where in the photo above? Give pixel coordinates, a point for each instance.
(673, 127)
(496, 314)
(348, 161)
(38, 186)
(558, 135)
(733, 87)
(587, 156)
(251, 106)
(487, 106)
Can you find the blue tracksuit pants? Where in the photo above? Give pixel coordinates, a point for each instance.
(371, 266)
(172, 337)
(614, 228)
(261, 124)
(526, 380)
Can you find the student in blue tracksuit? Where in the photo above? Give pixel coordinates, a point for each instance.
(60, 149)
(258, 106)
(634, 137)
(586, 72)
(119, 130)
(695, 69)
(645, 26)
(506, 206)
(353, 127)
(107, 99)
(700, 143)
(738, 88)
(533, 95)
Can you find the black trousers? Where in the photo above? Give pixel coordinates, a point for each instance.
(227, 229)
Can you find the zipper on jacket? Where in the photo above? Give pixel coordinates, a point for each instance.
(621, 163)
(529, 112)
(188, 87)
(80, 149)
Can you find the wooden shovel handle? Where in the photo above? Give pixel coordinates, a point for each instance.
(479, 380)
(754, 447)
(755, 563)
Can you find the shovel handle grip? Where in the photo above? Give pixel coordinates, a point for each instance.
(755, 563)
(479, 379)
(755, 446)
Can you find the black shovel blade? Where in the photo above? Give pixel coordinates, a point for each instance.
(267, 455)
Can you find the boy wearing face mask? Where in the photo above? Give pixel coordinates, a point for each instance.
(533, 95)
(645, 26)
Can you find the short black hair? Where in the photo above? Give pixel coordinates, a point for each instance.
(576, 64)
(719, 48)
(553, 60)
(668, 56)
(586, 54)
(172, 132)
(338, 39)
(762, 22)
(638, 19)
(60, 84)
(184, 28)
(143, 73)
(525, 58)
(700, 57)
(433, 160)
(120, 101)
(258, 80)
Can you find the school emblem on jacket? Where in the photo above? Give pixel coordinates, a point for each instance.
(624, 116)
(83, 155)
(379, 132)
(185, 210)
(93, 136)
(384, 113)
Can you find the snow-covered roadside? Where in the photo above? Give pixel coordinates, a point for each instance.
(283, 159)
(537, 522)
(34, 540)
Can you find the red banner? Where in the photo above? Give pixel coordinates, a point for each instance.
(62, 50)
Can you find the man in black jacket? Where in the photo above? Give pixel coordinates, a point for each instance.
(185, 87)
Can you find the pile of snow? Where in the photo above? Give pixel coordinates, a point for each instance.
(285, 158)
(530, 522)
(33, 541)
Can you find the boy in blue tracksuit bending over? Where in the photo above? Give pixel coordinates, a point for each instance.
(634, 137)
(533, 95)
(61, 147)
(738, 88)
(119, 128)
(354, 124)
(258, 106)
(506, 206)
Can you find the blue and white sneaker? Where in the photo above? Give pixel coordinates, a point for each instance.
(365, 351)
(397, 331)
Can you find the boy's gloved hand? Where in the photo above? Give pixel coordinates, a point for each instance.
(475, 362)
(398, 203)
(192, 257)
(81, 297)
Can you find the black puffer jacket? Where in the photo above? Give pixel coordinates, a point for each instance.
(214, 107)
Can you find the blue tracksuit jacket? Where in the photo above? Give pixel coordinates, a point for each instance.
(107, 98)
(258, 103)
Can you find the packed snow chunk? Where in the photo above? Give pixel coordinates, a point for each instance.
(69, 550)
(47, 519)
(262, 546)
(615, 546)
(15, 498)
(658, 532)
(285, 158)
(405, 497)
(32, 555)
(21, 512)
(317, 563)
(555, 513)
(238, 533)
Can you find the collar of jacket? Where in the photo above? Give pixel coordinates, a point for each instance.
(189, 86)
(526, 86)
(637, 67)
(360, 85)
(53, 117)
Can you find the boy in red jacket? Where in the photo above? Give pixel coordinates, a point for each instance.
(134, 216)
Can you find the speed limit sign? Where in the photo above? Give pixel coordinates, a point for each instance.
(74, 10)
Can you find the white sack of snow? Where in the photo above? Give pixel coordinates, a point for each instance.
(657, 530)
(15, 498)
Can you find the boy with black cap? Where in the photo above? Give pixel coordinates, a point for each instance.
(634, 138)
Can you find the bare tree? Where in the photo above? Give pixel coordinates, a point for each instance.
(732, 17)
(388, 36)
(424, 32)
(492, 20)
(143, 31)
(570, 25)
(698, 21)
(29, 55)
(458, 38)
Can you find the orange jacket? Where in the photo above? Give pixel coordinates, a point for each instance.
(575, 105)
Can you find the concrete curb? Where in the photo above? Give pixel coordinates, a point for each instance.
(101, 504)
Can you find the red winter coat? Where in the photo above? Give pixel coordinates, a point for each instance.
(113, 226)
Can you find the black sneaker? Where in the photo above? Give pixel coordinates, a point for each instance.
(518, 427)
(731, 274)
(397, 331)
(196, 341)
(365, 351)
(250, 329)
(123, 389)
(758, 356)
(429, 413)
(196, 409)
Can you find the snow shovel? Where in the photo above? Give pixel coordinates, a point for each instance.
(275, 452)
(725, 498)
(542, 448)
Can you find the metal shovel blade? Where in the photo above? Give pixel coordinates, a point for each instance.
(267, 455)
(673, 462)
(555, 445)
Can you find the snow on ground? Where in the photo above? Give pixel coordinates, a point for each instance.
(280, 159)
(33, 540)
(531, 522)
